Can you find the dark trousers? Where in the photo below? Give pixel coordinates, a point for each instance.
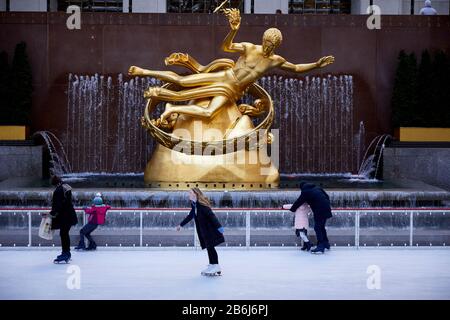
(86, 232)
(321, 232)
(212, 255)
(65, 238)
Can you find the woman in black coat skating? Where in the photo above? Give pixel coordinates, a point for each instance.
(63, 215)
(319, 201)
(209, 229)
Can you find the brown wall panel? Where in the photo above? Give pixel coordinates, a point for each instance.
(109, 43)
(130, 45)
(74, 51)
(35, 36)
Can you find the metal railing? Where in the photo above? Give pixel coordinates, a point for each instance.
(245, 227)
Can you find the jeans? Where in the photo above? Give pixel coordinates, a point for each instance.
(212, 255)
(65, 238)
(321, 232)
(86, 232)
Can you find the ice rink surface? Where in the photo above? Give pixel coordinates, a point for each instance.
(274, 274)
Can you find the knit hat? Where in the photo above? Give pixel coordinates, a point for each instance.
(98, 201)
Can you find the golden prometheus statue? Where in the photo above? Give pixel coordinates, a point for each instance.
(206, 138)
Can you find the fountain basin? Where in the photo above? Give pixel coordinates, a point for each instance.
(129, 191)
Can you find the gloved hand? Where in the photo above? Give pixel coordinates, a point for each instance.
(297, 232)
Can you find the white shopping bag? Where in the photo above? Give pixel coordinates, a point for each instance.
(45, 229)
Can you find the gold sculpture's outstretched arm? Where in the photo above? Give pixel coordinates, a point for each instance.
(322, 62)
(234, 18)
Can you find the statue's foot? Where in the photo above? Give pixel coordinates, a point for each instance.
(176, 58)
(135, 71)
(152, 92)
(167, 113)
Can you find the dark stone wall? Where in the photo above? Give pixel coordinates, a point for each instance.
(108, 43)
(429, 165)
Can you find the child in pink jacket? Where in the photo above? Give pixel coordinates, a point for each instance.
(96, 217)
(301, 224)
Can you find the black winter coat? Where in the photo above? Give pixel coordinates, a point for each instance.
(207, 225)
(318, 200)
(63, 214)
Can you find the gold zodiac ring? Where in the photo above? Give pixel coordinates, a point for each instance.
(250, 141)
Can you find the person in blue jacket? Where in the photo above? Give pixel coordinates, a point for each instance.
(319, 201)
(209, 229)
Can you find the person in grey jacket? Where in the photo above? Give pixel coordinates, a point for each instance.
(428, 10)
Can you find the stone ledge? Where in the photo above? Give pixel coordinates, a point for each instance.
(20, 161)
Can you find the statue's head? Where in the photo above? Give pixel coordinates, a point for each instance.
(271, 40)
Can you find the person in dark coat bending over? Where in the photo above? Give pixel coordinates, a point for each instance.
(319, 201)
(63, 216)
(209, 229)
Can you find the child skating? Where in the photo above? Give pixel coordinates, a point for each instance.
(209, 229)
(301, 224)
(96, 216)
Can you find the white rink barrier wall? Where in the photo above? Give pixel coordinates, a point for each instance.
(247, 228)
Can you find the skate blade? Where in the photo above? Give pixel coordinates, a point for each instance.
(216, 274)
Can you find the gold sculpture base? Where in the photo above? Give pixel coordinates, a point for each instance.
(210, 172)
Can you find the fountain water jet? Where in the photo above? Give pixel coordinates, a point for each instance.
(59, 162)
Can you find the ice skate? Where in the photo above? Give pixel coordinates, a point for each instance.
(206, 270)
(64, 257)
(80, 247)
(91, 247)
(319, 249)
(214, 271)
(306, 246)
(327, 246)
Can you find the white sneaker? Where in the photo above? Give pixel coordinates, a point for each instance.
(207, 270)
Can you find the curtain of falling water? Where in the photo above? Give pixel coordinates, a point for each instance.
(103, 131)
(314, 115)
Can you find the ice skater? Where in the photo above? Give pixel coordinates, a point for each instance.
(209, 229)
(319, 201)
(301, 224)
(63, 216)
(97, 214)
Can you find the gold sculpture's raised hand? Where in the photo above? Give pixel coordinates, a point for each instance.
(234, 18)
(324, 61)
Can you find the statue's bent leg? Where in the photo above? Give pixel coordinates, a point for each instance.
(196, 111)
(199, 79)
(168, 76)
(185, 95)
(192, 80)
